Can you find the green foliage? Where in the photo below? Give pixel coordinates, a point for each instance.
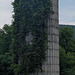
(5, 64)
(5, 55)
(5, 39)
(62, 59)
(67, 51)
(67, 63)
(70, 26)
(30, 17)
(65, 38)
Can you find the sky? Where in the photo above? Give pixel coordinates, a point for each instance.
(66, 12)
(5, 12)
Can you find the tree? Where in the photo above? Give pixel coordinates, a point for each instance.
(67, 51)
(5, 38)
(2, 34)
(65, 38)
(5, 64)
(67, 63)
(5, 53)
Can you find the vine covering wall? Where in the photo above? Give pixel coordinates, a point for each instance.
(30, 16)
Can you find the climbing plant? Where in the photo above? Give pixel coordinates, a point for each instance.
(30, 18)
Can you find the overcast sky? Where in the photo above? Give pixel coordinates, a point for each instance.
(5, 12)
(66, 12)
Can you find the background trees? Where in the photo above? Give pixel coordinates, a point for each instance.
(5, 64)
(65, 38)
(5, 53)
(5, 38)
(67, 51)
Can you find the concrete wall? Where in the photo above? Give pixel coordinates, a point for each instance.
(51, 66)
(53, 45)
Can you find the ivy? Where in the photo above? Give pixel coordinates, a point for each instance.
(29, 17)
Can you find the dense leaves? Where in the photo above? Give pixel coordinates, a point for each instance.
(65, 38)
(5, 38)
(5, 54)
(5, 64)
(67, 63)
(67, 51)
(30, 21)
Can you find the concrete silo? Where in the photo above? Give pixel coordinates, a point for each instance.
(51, 66)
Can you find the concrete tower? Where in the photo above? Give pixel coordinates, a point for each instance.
(52, 63)
(51, 66)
